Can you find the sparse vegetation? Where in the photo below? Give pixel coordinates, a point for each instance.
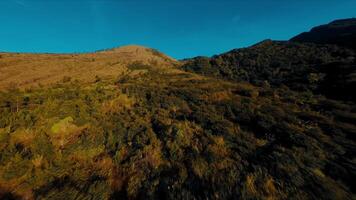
(163, 137)
(274, 121)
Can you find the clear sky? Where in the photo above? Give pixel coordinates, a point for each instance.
(179, 28)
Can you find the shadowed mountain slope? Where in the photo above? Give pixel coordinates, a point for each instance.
(339, 32)
(325, 69)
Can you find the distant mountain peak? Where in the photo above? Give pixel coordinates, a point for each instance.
(263, 43)
(349, 21)
(126, 48)
(141, 53)
(339, 32)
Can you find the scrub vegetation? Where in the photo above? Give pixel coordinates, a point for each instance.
(273, 121)
(170, 134)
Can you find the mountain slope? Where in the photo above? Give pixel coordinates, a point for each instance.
(300, 66)
(168, 134)
(339, 32)
(27, 70)
(272, 121)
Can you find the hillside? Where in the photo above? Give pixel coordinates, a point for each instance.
(272, 121)
(339, 32)
(323, 69)
(170, 134)
(28, 70)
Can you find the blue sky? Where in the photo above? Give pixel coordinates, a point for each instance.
(179, 28)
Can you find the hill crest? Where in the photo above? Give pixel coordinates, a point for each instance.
(339, 32)
(25, 70)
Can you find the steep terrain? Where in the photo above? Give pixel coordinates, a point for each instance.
(323, 69)
(272, 121)
(339, 32)
(28, 70)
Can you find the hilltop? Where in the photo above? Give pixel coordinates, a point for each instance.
(26, 70)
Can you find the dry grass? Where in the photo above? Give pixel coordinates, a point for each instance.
(250, 185)
(118, 104)
(23, 137)
(65, 132)
(32, 70)
(263, 189)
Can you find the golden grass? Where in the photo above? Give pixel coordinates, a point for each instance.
(23, 137)
(118, 104)
(65, 132)
(319, 173)
(32, 70)
(262, 190)
(37, 161)
(250, 185)
(200, 167)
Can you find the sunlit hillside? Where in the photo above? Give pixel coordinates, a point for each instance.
(28, 70)
(276, 120)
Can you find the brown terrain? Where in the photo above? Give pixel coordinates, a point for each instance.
(272, 121)
(23, 70)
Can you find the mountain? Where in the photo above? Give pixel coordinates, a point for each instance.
(339, 32)
(321, 68)
(28, 70)
(272, 121)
